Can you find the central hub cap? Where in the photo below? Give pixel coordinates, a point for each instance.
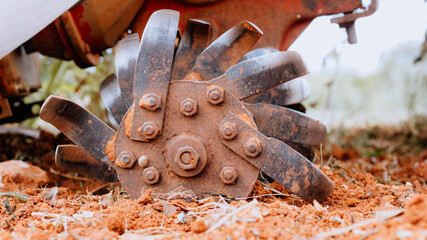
(186, 155)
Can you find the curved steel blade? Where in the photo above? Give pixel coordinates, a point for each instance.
(126, 53)
(224, 52)
(287, 124)
(112, 98)
(259, 74)
(154, 67)
(193, 42)
(75, 159)
(281, 162)
(288, 93)
(79, 125)
(258, 52)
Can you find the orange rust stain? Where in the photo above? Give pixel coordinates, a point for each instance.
(128, 121)
(247, 119)
(90, 121)
(110, 149)
(193, 76)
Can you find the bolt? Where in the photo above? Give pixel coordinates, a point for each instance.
(125, 160)
(149, 130)
(228, 130)
(188, 107)
(151, 175)
(228, 175)
(143, 161)
(252, 147)
(150, 101)
(187, 158)
(215, 94)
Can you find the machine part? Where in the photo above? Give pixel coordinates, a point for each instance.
(348, 20)
(207, 149)
(75, 159)
(20, 22)
(5, 110)
(111, 96)
(281, 20)
(126, 53)
(155, 53)
(85, 30)
(19, 110)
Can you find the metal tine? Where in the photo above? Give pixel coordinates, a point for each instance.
(126, 53)
(261, 73)
(75, 159)
(193, 42)
(224, 52)
(289, 93)
(258, 52)
(287, 124)
(153, 69)
(79, 125)
(296, 173)
(111, 96)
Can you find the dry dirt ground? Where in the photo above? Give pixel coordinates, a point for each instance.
(380, 176)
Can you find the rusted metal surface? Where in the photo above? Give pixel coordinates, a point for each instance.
(348, 20)
(193, 42)
(289, 93)
(296, 173)
(281, 20)
(289, 125)
(111, 96)
(200, 132)
(224, 52)
(75, 159)
(79, 125)
(153, 69)
(259, 74)
(192, 146)
(85, 30)
(126, 53)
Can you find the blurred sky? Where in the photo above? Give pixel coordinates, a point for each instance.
(394, 22)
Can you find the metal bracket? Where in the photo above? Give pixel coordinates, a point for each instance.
(348, 20)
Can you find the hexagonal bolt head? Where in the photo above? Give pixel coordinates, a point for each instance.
(187, 158)
(143, 161)
(228, 175)
(150, 101)
(215, 94)
(228, 130)
(149, 130)
(151, 175)
(125, 160)
(252, 147)
(188, 107)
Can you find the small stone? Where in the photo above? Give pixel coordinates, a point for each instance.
(199, 226)
(21, 172)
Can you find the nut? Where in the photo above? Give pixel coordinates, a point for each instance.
(252, 147)
(228, 175)
(151, 175)
(143, 161)
(228, 130)
(150, 101)
(187, 158)
(125, 160)
(215, 94)
(188, 107)
(149, 130)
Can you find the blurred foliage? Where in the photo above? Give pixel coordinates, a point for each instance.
(392, 93)
(65, 79)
